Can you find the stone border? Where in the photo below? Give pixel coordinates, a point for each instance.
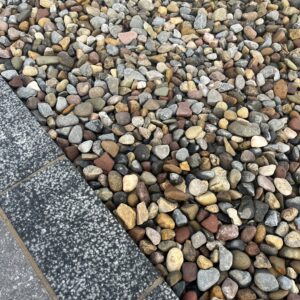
(70, 239)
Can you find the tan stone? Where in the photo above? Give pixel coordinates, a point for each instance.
(127, 215)
(165, 221)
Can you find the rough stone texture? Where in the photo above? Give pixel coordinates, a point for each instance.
(162, 292)
(17, 278)
(74, 239)
(21, 138)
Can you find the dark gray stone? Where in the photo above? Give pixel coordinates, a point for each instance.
(24, 146)
(18, 281)
(82, 250)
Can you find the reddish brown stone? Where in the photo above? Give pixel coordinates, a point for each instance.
(89, 135)
(137, 233)
(16, 82)
(248, 233)
(252, 249)
(201, 215)
(182, 234)
(280, 89)
(295, 124)
(189, 271)
(62, 142)
(293, 297)
(142, 192)
(280, 171)
(183, 110)
(42, 13)
(71, 152)
(173, 193)
(190, 295)
(105, 162)
(211, 223)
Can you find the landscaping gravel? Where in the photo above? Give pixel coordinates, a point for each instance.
(184, 117)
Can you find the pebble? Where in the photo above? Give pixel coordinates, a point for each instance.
(130, 182)
(198, 187)
(265, 281)
(174, 260)
(243, 278)
(225, 259)
(161, 151)
(198, 239)
(184, 119)
(76, 135)
(207, 278)
(127, 215)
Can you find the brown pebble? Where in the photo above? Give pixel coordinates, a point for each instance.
(182, 234)
(211, 223)
(105, 162)
(190, 295)
(189, 271)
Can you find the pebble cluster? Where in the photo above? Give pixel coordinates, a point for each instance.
(184, 117)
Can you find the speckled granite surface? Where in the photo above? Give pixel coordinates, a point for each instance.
(162, 292)
(24, 146)
(80, 247)
(17, 278)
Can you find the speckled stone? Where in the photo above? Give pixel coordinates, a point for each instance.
(84, 242)
(18, 280)
(162, 292)
(21, 138)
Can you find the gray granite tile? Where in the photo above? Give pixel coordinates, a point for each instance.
(17, 278)
(24, 146)
(162, 292)
(80, 247)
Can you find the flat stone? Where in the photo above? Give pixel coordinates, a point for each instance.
(104, 162)
(243, 278)
(283, 186)
(76, 135)
(207, 278)
(265, 281)
(23, 139)
(198, 187)
(161, 151)
(18, 279)
(213, 97)
(198, 239)
(228, 232)
(225, 259)
(127, 37)
(292, 239)
(127, 215)
(83, 109)
(130, 182)
(163, 291)
(75, 216)
(258, 142)
(229, 288)
(244, 129)
(174, 260)
(45, 110)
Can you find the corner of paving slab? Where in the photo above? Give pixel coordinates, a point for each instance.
(75, 242)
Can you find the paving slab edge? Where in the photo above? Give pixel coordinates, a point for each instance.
(158, 287)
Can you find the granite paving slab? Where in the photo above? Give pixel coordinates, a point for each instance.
(24, 145)
(18, 280)
(82, 250)
(162, 292)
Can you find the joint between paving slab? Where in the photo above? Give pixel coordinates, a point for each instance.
(44, 167)
(147, 291)
(44, 282)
